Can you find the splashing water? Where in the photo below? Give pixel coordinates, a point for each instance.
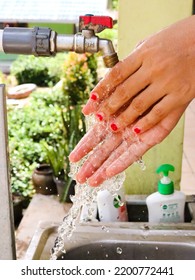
(84, 195)
(141, 163)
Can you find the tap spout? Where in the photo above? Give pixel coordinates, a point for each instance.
(110, 57)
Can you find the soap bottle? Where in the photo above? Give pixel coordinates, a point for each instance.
(167, 205)
(112, 208)
(89, 212)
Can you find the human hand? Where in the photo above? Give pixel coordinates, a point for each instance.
(111, 153)
(155, 79)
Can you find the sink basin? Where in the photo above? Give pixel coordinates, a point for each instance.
(133, 240)
(127, 241)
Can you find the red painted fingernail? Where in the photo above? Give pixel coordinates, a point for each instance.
(114, 127)
(99, 116)
(94, 96)
(137, 130)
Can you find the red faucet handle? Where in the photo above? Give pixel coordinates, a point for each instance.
(96, 23)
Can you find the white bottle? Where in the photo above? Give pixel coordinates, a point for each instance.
(111, 208)
(89, 212)
(167, 205)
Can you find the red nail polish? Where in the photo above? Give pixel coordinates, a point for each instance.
(94, 96)
(137, 130)
(114, 127)
(99, 116)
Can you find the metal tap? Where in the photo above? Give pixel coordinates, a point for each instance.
(41, 41)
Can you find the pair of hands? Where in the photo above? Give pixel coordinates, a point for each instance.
(138, 103)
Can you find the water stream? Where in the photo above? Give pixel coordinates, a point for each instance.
(84, 195)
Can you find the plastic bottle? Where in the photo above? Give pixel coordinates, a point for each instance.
(167, 205)
(112, 208)
(89, 212)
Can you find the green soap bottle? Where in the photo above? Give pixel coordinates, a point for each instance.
(166, 205)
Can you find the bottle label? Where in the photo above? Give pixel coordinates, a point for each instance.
(170, 213)
(122, 210)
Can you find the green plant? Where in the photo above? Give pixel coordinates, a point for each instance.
(43, 71)
(56, 158)
(38, 121)
(115, 4)
(80, 75)
(50, 125)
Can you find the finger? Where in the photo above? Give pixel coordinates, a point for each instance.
(123, 94)
(156, 114)
(147, 140)
(120, 72)
(139, 105)
(99, 155)
(131, 149)
(100, 175)
(107, 149)
(130, 155)
(90, 140)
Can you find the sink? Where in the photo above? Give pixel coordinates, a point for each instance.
(117, 241)
(133, 240)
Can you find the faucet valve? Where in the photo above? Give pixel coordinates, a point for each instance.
(96, 23)
(89, 25)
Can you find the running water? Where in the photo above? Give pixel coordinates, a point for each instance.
(84, 195)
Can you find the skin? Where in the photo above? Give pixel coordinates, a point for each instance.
(114, 152)
(146, 93)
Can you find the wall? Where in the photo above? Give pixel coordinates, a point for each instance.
(137, 20)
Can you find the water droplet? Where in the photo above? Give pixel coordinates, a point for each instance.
(119, 250)
(141, 164)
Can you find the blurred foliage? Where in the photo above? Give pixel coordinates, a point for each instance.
(27, 127)
(42, 71)
(80, 76)
(115, 4)
(51, 124)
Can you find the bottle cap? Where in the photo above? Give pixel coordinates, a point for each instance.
(165, 185)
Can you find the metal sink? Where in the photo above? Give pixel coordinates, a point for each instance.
(136, 239)
(117, 241)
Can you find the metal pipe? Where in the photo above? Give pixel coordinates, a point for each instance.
(64, 43)
(81, 43)
(37, 41)
(7, 240)
(18, 40)
(77, 43)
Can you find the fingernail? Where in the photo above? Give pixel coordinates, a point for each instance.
(94, 96)
(100, 116)
(114, 127)
(137, 130)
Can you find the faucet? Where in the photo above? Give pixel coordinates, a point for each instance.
(42, 41)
